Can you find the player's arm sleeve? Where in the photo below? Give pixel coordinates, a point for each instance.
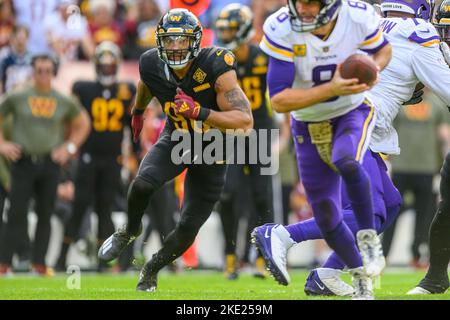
(273, 43)
(432, 70)
(425, 36)
(274, 49)
(374, 38)
(224, 61)
(280, 75)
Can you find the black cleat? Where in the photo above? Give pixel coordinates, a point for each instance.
(261, 270)
(60, 265)
(115, 244)
(232, 275)
(230, 270)
(148, 282)
(428, 286)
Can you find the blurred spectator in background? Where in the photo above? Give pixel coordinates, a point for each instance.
(15, 71)
(5, 176)
(102, 25)
(97, 180)
(140, 33)
(414, 168)
(37, 149)
(7, 21)
(66, 30)
(261, 10)
(15, 66)
(32, 14)
(200, 8)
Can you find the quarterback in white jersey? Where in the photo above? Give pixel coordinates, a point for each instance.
(416, 58)
(331, 124)
(316, 59)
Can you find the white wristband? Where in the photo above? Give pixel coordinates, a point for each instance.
(72, 148)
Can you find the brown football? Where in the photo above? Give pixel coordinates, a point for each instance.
(359, 66)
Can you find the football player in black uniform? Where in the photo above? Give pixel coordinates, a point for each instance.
(97, 180)
(436, 280)
(198, 90)
(234, 29)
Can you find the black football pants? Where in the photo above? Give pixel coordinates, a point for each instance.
(96, 182)
(422, 187)
(202, 187)
(30, 176)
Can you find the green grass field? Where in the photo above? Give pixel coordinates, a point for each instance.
(190, 285)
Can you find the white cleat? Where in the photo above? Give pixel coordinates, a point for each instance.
(327, 282)
(371, 252)
(417, 291)
(273, 240)
(362, 284)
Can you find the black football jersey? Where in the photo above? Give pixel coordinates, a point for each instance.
(109, 110)
(198, 83)
(252, 79)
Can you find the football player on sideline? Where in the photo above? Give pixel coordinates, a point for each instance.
(198, 90)
(436, 280)
(331, 121)
(234, 29)
(97, 180)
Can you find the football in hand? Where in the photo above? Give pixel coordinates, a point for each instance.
(361, 67)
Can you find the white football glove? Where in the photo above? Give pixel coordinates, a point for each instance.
(445, 51)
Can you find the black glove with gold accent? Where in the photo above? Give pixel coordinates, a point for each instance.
(417, 95)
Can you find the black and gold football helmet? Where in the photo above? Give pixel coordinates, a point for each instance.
(107, 58)
(442, 21)
(178, 36)
(234, 26)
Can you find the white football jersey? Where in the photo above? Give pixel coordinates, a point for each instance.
(415, 57)
(357, 27)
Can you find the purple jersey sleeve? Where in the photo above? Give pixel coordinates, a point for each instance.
(280, 76)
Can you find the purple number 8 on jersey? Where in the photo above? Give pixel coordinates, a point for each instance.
(357, 4)
(322, 74)
(282, 17)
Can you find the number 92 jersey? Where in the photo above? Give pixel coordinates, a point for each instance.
(108, 108)
(316, 59)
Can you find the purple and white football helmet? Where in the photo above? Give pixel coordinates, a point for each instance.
(422, 9)
(329, 10)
